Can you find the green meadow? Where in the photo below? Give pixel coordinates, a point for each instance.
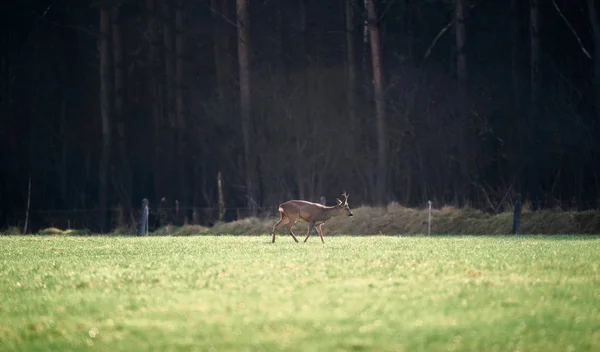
(243, 293)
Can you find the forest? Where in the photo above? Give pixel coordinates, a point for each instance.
(221, 109)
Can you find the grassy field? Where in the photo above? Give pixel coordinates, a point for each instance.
(225, 293)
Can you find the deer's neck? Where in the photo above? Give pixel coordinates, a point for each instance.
(331, 211)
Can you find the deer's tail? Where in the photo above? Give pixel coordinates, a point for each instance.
(281, 212)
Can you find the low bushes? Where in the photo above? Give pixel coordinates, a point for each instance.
(395, 219)
(392, 220)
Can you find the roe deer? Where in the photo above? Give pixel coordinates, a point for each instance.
(313, 213)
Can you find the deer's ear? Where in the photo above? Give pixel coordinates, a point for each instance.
(339, 201)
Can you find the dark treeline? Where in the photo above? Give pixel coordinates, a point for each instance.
(464, 102)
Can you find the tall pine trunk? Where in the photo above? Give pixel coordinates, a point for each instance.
(514, 54)
(119, 76)
(122, 176)
(534, 95)
(595, 22)
(534, 57)
(351, 74)
(365, 41)
(179, 109)
(105, 115)
(243, 28)
(156, 106)
(381, 179)
(168, 41)
(351, 61)
(64, 152)
(169, 58)
(461, 74)
(408, 28)
(302, 43)
(219, 47)
(461, 60)
(279, 60)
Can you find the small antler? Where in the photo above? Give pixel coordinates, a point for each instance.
(345, 195)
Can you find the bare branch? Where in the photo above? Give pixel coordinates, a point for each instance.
(223, 17)
(585, 51)
(439, 35)
(54, 23)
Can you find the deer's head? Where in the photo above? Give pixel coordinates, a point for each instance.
(344, 205)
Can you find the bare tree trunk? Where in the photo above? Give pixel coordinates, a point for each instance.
(595, 22)
(351, 72)
(154, 96)
(534, 96)
(300, 169)
(279, 40)
(123, 176)
(179, 108)
(64, 152)
(461, 62)
(408, 23)
(168, 40)
(227, 50)
(303, 42)
(365, 40)
(535, 57)
(351, 61)
(243, 27)
(461, 74)
(218, 40)
(105, 115)
(379, 103)
(514, 57)
(119, 90)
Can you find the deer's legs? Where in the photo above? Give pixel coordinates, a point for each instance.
(284, 220)
(320, 231)
(311, 226)
(292, 222)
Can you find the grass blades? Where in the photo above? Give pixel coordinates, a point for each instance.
(230, 293)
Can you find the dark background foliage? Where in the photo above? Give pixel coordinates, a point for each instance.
(477, 142)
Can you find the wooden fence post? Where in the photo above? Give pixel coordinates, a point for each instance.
(429, 219)
(143, 223)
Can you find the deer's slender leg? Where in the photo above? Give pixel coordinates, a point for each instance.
(292, 222)
(311, 225)
(284, 220)
(294, 237)
(320, 231)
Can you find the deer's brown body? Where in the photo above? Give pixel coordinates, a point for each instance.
(313, 213)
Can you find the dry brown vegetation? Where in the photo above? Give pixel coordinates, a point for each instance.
(396, 219)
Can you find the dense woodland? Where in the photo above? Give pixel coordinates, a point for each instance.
(215, 109)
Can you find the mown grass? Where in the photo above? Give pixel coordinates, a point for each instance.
(377, 293)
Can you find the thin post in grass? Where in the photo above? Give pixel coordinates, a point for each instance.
(28, 205)
(143, 223)
(517, 215)
(429, 219)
